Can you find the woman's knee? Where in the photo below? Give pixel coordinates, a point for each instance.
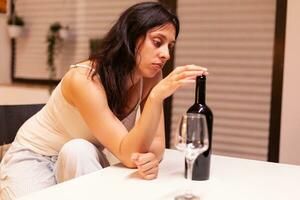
(78, 148)
(78, 157)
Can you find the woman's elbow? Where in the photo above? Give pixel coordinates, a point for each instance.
(129, 164)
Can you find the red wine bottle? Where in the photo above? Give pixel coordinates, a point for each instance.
(201, 166)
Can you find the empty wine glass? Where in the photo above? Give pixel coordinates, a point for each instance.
(192, 139)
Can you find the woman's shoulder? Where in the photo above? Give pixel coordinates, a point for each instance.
(78, 81)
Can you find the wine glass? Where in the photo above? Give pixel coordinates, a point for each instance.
(192, 139)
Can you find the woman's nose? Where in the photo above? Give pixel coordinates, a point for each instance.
(165, 53)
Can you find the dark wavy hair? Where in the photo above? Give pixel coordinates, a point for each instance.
(116, 58)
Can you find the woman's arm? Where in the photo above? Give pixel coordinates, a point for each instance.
(158, 144)
(90, 99)
(148, 163)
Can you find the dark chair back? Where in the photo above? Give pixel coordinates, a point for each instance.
(12, 117)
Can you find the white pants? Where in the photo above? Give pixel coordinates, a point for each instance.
(23, 171)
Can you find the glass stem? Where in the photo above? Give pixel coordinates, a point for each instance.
(190, 164)
(189, 168)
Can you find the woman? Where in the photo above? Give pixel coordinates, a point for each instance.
(95, 106)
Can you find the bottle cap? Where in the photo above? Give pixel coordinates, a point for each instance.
(202, 77)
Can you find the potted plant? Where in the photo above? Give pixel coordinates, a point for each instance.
(15, 26)
(56, 34)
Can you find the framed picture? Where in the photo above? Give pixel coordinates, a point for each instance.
(3, 6)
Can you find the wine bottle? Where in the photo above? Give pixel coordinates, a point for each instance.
(201, 168)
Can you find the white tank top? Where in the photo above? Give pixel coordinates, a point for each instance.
(58, 122)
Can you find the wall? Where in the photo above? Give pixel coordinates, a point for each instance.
(290, 126)
(86, 19)
(18, 94)
(4, 51)
(234, 40)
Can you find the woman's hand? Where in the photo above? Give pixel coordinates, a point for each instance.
(147, 164)
(178, 77)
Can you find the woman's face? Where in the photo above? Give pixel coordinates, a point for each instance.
(153, 51)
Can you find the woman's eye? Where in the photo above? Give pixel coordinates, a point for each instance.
(156, 43)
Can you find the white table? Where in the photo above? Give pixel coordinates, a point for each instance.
(231, 178)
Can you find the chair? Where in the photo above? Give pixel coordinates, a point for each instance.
(12, 117)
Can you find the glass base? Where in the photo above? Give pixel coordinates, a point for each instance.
(187, 197)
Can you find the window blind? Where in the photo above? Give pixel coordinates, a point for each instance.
(234, 40)
(87, 19)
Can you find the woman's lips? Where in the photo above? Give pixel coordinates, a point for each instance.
(157, 66)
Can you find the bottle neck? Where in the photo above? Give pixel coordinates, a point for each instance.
(200, 90)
